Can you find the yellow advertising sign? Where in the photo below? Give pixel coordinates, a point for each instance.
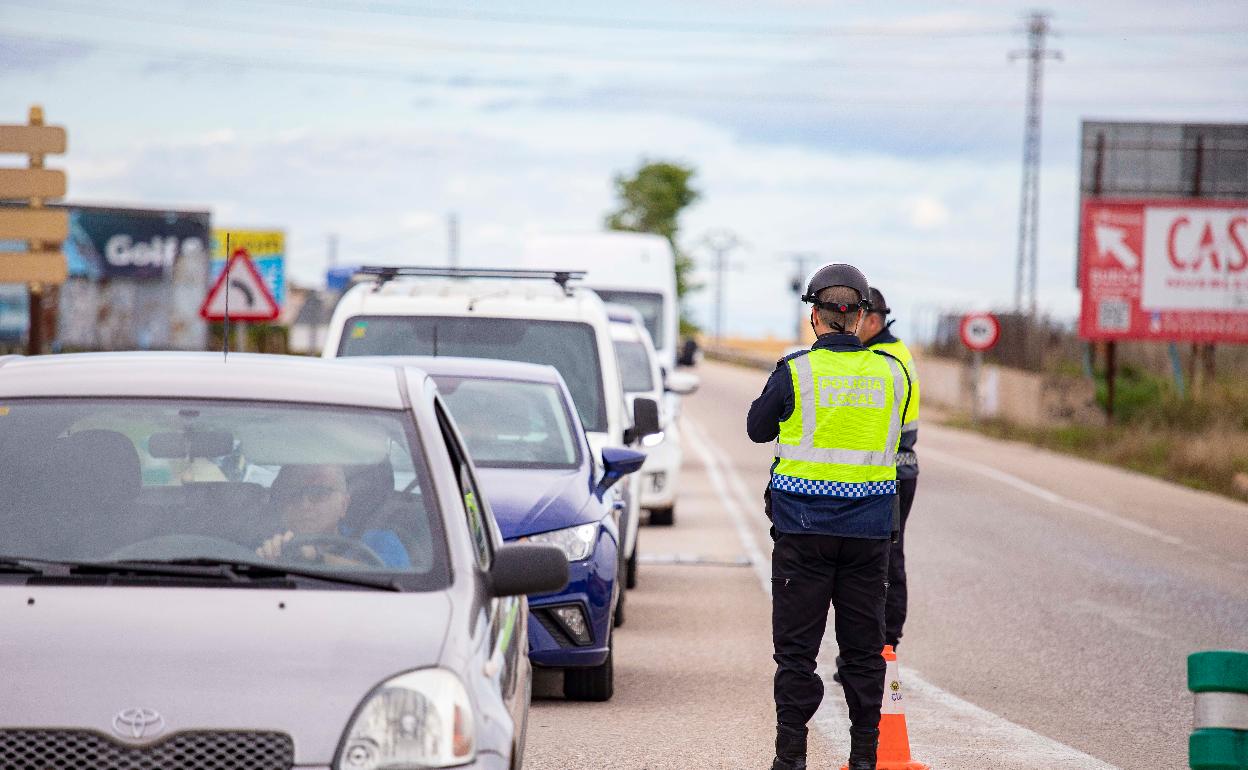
(260, 244)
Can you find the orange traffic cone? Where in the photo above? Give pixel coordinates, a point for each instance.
(894, 751)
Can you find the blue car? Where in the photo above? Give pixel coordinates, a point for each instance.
(544, 485)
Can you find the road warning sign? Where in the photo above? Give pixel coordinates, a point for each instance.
(240, 290)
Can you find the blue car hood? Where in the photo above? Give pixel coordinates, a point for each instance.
(528, 501)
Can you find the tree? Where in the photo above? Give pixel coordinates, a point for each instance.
(651, 201)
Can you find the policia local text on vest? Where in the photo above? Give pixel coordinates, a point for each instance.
(836, 414)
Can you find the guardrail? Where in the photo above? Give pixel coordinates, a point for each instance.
(1219, 681)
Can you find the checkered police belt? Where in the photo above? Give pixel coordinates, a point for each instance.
(832, 488)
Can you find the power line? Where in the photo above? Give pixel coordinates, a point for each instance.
(621, 97)
(807, 29)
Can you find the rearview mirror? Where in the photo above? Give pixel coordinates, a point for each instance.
(681, 383)
(528, 568)
(617, 463)
(688, 352)
(645, 419)
(199, 443)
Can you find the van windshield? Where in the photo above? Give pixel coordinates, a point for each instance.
(635, 371)
(569, 346)
(299, 486)
(649, 304)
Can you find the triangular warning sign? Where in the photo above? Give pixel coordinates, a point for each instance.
(248, 298)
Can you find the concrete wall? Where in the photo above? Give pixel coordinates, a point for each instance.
(1026, 398)
(1021, 397)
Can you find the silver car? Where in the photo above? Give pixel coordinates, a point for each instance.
(265, 562)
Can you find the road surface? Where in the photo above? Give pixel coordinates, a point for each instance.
(1053, 604)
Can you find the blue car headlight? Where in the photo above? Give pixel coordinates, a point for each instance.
(577, 542)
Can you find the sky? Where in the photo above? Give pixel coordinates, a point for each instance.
(885, 135)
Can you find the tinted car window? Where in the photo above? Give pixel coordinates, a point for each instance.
(96, 479)
(650, 306)
(509, 424)
(569, 346)
(635, 370)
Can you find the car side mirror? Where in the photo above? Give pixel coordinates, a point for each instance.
(617, 463)
(681, 383)
(527, 568)
(646, 421)
(688, 353)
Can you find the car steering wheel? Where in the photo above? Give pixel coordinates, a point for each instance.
(347, 545)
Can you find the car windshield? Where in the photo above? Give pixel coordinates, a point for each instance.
(634, 366)
(649, 304)
(569, 346)
(510, 424)
(312, 487)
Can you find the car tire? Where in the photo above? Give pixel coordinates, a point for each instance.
(617, 617)
(662, 517)
(595, 683)
(630, 571)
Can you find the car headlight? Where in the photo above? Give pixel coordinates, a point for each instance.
(418, 719)
(654, 439)
(576, 542)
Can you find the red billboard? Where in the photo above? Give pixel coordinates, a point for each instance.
(1167, 270)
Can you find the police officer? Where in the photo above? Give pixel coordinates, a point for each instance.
(877, 334)
(835, 412)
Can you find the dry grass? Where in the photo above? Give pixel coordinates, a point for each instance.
(1206, 459)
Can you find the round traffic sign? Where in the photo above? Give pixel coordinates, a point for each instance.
(980, 331)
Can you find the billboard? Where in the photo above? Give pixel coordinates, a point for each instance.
(1164, 269)
(267, 249)
(140, 244)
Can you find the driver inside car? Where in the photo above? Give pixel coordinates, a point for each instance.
(312, 501)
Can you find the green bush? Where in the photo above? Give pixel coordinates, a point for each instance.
(1135, 392)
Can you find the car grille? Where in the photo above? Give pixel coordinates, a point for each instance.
(48, 749)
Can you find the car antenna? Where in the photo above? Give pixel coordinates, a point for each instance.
(225, 335)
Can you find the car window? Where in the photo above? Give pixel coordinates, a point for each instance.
(470, 493)
(569, 346)
(635, 372)
(511, 424)
(322, 487)
(648, 304)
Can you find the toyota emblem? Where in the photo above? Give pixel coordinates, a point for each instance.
(138, 723)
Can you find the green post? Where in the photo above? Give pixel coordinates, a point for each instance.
(1219, 680)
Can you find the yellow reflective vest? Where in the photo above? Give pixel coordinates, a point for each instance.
(842, 437)
(907, 460)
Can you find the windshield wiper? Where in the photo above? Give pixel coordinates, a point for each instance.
(231, 569)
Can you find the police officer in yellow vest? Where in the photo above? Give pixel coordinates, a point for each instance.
(835, 412)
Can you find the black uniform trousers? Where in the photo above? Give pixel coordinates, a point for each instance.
(809, 572)
(895, 604)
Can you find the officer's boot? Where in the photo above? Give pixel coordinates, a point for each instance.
(862, 747)
(790, 749)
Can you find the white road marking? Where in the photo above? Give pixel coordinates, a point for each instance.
(946, 731)
(761, 564)
(1052, 497)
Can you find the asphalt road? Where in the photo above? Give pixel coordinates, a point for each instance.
(1053, 604)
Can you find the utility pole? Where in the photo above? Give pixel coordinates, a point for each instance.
(331, 250)
(452, 239)
(800, 260)
(721, 243)
(1029, 204)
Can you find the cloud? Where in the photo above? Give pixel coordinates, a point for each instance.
(23, 56)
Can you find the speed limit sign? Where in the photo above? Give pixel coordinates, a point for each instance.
(980, 331)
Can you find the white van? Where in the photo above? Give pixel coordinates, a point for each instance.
(515, 315)
(642, 378)
(634, 269)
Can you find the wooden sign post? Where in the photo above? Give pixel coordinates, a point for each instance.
(42, 265)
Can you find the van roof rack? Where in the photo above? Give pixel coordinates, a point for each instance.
(385, 273)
